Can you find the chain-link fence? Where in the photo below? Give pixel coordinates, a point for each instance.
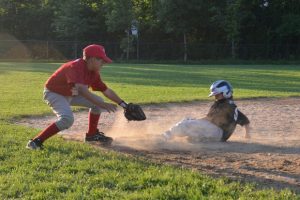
(61, 50)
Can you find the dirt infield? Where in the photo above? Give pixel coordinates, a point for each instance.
(271, 158)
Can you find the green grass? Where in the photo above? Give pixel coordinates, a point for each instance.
(71, 170)
(21, 84)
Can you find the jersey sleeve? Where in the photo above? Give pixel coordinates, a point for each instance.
(242, 119)
(98, 84)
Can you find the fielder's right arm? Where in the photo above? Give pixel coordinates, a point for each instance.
(84, 91)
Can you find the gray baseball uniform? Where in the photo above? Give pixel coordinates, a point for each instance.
(61, 106)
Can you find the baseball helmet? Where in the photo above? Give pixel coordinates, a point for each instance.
(223, 87)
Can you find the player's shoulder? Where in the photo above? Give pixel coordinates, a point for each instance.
(75, 64)
(225, 103)
(231, 103)
(78, 63)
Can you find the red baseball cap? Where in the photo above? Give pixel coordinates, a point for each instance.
(97, 51)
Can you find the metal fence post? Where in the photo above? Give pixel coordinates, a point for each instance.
(75, 50)
(47, 50)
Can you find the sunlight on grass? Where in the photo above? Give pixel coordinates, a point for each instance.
(72, 170)
(22, 83)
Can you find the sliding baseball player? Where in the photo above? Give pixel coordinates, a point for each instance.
(219, 123)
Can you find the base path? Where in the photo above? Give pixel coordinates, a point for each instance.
(271, 158)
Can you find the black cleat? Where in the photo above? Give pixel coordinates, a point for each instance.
(99, 137)
(35, 144)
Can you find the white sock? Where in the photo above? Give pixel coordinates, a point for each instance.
(167, 135)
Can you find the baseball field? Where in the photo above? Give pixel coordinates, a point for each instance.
(139, 167)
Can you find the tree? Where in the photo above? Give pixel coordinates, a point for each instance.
(119, 16)
(228, 16)
(272, 25)
(69, 21)
(26, 19)
(181, 18)
(232, 23)
(252, 28)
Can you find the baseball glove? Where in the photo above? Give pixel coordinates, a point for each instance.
(134, 112)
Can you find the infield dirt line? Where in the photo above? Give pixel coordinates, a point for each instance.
(270, 159)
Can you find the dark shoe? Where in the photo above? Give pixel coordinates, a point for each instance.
(35, 144)
(99, 137)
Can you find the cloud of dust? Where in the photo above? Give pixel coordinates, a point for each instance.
(147, 135)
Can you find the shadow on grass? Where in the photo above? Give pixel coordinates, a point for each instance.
(28, 67)
(268, 78)
(253, 77)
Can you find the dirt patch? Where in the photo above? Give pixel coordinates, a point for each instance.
(271, 158)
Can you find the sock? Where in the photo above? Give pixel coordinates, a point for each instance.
(167, 135)
(93, 123)
(48, 132)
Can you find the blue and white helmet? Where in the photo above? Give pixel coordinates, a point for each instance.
(223, 87)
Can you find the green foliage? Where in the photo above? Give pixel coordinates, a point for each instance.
(77, 20)
(290, 25)
(179, 16)
(26, 19)
(145, 13)
(69, 21)
(119, 14)
(273, 25)
(232, 19)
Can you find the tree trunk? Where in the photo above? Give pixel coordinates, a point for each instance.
(128, 44)
(233, 46)
(137, 47)
(47, 50)
(185, 47)
(75, 50)
(76, 45)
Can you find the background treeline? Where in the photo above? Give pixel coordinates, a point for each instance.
(168, 29)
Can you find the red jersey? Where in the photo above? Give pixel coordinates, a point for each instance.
(64, 79)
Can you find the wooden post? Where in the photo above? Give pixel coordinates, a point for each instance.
(137, 47)
(47, 51)
(233, 54)
(128, 44)
(75, 50)
(185, 47)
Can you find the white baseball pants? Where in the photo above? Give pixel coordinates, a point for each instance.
(196, 130)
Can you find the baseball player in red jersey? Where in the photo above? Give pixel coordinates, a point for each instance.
(219, 123)
(69, 86)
